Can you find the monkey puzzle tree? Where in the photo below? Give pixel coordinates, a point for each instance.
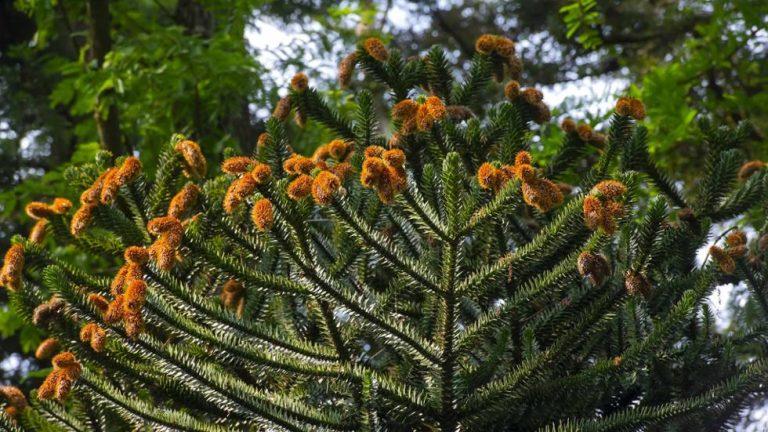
(441, 279)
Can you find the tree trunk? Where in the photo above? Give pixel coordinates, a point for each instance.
(107, 119)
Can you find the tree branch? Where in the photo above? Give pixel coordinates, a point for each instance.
(467, 50)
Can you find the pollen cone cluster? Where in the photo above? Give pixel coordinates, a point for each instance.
(489, 176)
(126, 308)
(252, 174)
(41, 212)
(233, 296)
(47, 349)
(58, 384)
(538, 192)
(47, 311)
(15, 399)
(117, 177)
(502, 52)
(347, 69)
(376, 49)
(415, 116)
(128, 291)
(724, 261)
(104, 190)
(13, 266)
(135, 258)
(93, 335)
(430, 112)
(583, 131)
(245, 185)
(334, 157)
(603, 206)
(736, 247)
(195, 164)
(630, 107)
(316, 176)
(299, 168)
(637, 283)
(736, 242)
(593, 267)
(749, 168)
(282, 109)
(184, 201)
(530, 97)
(337, 150)
(494, 44)
(262, 214)
(384, 171)
(169, 232)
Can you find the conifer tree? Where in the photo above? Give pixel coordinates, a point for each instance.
(444, 278)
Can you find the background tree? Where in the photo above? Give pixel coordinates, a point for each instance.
(708, 56)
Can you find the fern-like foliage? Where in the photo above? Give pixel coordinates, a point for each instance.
(443, 281)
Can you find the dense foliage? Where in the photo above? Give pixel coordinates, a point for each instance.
(428, 273)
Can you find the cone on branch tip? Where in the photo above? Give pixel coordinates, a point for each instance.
(750, 168)
(15, 400)
(593, 267)
(13, 266)
(637, 283)
(538, 192)
(58, 383)
(630, 107)
(376, 49)
(47, 349)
